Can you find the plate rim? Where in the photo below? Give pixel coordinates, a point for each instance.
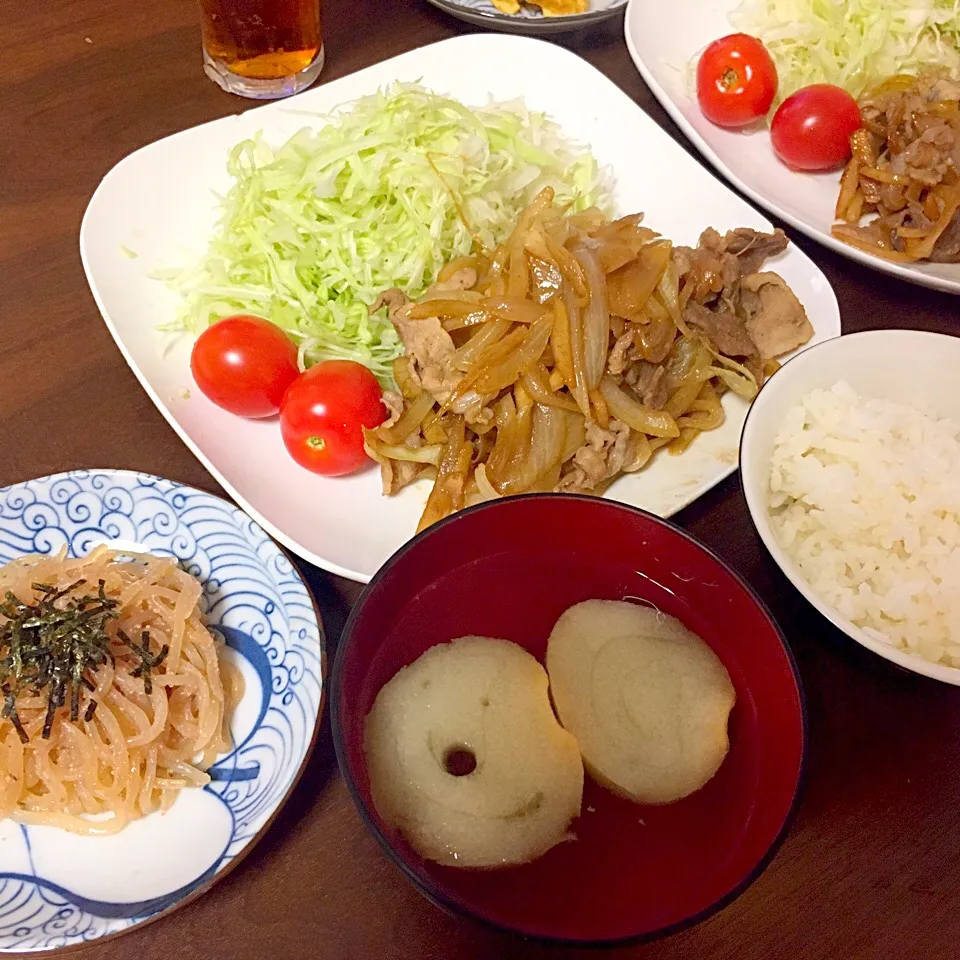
(322, 704)
(707, 153)
(278, 535)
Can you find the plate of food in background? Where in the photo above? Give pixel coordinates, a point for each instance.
(163, 677)
(845, 122)
(520, 16)
(506, 294)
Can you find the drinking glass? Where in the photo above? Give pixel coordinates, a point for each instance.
(263, 49)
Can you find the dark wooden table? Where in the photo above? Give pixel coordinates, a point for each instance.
(871, 868)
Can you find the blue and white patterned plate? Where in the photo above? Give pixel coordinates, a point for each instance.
(60, 890)
(529, 20)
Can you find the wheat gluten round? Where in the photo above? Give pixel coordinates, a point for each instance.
(478, 700)
(647, 700)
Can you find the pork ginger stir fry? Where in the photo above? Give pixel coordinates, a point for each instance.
(573, 352)
(905, 172)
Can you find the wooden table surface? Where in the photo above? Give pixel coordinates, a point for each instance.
(871, 867)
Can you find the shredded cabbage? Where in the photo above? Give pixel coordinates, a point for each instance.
(854, 44)
(312, 232)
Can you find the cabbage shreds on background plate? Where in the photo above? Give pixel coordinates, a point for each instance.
(393, 187)
(854, 44)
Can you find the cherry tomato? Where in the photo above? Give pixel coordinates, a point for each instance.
(244, 364)
(811, 129)
(736, 81)
(323, 413)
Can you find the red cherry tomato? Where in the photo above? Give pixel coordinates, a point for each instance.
(323, 413)
(244, 364)
(736, 81)
(811, 129)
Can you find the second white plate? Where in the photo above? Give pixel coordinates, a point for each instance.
(661, 53)
(160, 202)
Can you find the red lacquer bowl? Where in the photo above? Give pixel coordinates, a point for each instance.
(509, 569)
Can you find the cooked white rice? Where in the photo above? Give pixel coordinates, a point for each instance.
(865, 497)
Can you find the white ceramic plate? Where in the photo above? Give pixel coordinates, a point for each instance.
(907, 366)
(529, 20)
(661, 52)
(62, 890)
(160, 203)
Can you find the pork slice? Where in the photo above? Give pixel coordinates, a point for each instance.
(947, 247)
(426, 344)
(945, 89)
(602, 457)
(463, 279)
(701, 267)
(722, 327)
(774, 317)
(752, 248)
(394, 299)
(396, 474)
(649, 382)
(394, 404)
(928, 158)
(618, 361)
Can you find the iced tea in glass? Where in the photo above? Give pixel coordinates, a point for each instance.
(262, 48)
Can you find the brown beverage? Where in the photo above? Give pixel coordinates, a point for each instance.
(275, 41)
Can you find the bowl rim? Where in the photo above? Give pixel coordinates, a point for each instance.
(448, 904)
(754, 489)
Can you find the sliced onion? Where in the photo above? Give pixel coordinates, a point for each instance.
(634, 414)
(547, 279)
(449, 488)
(515, 309)
(537, 384)
(735, 375)
(575, 436)
(669, 290)
(442, 307)
(596, 317)
(517, 362)
(378, 450)
(579, 386)
(483, 484)
(541, 454)
(464, 357)
(410, 419)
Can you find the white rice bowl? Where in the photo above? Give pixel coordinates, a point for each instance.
(864, 496)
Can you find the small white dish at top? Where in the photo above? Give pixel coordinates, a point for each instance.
(530, 19)
(662, 53)
(910, 367)
(161, 203)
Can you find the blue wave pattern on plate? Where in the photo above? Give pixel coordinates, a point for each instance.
(252, 596)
